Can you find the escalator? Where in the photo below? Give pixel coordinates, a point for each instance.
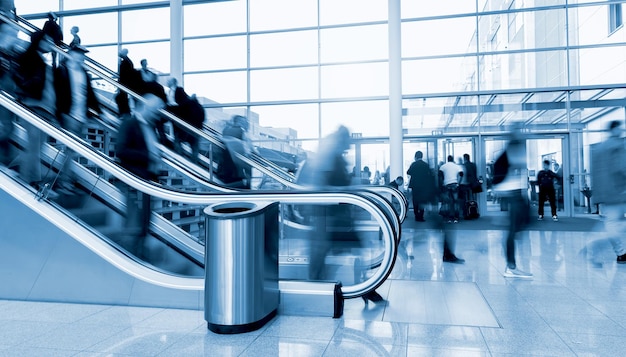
(88, 259)
(89, 245)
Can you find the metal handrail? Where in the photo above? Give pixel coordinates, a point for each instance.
(386, 222)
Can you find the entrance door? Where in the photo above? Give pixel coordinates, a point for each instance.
(538, 149)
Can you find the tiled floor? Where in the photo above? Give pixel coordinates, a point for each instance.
(570, 308)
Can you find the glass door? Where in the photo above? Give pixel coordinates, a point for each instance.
(538, 149)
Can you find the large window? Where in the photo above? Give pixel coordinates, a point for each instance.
(215, 18)
(327, 61)
(215, 53)
(283, 84)
(90, 28)
(284, 49)
(282, 14)
(146, 25)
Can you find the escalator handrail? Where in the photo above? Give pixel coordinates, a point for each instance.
(384, 220)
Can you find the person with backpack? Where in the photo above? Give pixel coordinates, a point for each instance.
(545, 180)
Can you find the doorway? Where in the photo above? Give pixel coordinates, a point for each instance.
(538, 149)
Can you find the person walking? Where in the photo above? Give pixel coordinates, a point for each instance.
(74, 97)
(423, 192)
(510, 182)
(329, 170)
(8, 40)
(421, 184)
(609, 186)
(36, 91)
(138, 153)
(545, 180)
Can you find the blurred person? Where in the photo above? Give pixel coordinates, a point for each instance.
(366, 175)
(558, 185)
(377, 178)
(192, 113)
(146, 73)
(36, 91)
(74, 97)
(53, 30)
(470, 184)
(452, 174)
(130, 78)
(386, 175)
(149, 82)
(75, 38)
(609, 188)
(328, 170)
(8, 39)
(511, 182)
(422, 185)
(230, 170)
(424, 191)
(465, 190)
(545, 180)
(173, 91)
(398, 184)
(138, 153)
(189, 109)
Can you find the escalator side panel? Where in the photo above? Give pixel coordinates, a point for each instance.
(41, 262)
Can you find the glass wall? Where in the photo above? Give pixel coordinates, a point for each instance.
(468, 67)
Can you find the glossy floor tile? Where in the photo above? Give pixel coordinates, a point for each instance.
(574, 306)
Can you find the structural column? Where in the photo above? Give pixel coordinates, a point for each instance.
(395, 91)
(176, 40)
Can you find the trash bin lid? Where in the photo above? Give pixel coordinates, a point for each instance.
(229, 210)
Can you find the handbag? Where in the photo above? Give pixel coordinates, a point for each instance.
(477, 186)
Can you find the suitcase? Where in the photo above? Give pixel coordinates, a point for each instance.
(471, 210)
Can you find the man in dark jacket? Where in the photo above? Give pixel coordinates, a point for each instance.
(53, 30)
(423, 192)
(138, 153)
(545, 180)
(130, 78)
(36, 90)
(422, 185)
(74, 98)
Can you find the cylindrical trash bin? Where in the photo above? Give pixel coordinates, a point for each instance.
(241, 266)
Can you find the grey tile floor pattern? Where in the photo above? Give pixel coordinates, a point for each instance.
(570, 308)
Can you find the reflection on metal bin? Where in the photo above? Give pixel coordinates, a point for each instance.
(241, 266)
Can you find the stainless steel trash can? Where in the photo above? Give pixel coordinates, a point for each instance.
(241, 266)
